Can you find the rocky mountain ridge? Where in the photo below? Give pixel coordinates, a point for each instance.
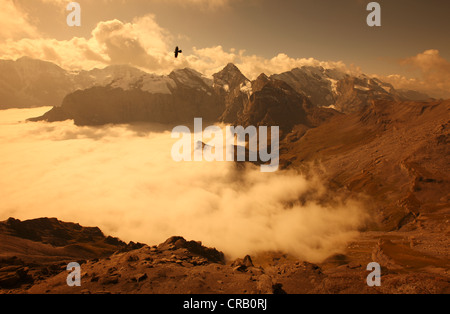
(86, 96)
(188, 267)
(128, 95)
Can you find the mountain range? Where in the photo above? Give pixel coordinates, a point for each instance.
(123, 94)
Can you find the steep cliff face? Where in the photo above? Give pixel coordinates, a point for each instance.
(275, 104)
(234, 88)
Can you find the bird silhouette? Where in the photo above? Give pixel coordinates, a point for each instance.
(177, 52)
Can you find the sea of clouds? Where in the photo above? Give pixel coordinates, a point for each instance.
(124, 180)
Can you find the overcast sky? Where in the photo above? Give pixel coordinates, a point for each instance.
(260, 35)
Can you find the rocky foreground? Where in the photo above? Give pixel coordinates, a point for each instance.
(34, 255)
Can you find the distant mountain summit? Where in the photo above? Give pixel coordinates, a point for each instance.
(234, 88)
(32, 83)
(230, 78)
(343, 92)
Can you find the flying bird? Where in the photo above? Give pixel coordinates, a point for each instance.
(177, 51)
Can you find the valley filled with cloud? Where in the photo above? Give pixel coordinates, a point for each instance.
(123, 179)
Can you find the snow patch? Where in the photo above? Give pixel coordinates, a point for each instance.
(192, 78)
(158, 85)
(246, 88)
(333, 85)
(331, 107)
(362, 88)
(386, 88)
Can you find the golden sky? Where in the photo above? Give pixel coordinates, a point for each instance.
(411, 49)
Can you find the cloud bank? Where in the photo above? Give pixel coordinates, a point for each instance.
(143, 43)
(124, 180)
(433, 74)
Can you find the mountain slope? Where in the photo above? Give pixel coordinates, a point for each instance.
(341, 91)
(179, 97)
(29, 83)
(397, 153)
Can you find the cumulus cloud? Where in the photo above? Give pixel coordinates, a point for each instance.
(124, 180)
(433, 74)
(142, 43)
(211, 60)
